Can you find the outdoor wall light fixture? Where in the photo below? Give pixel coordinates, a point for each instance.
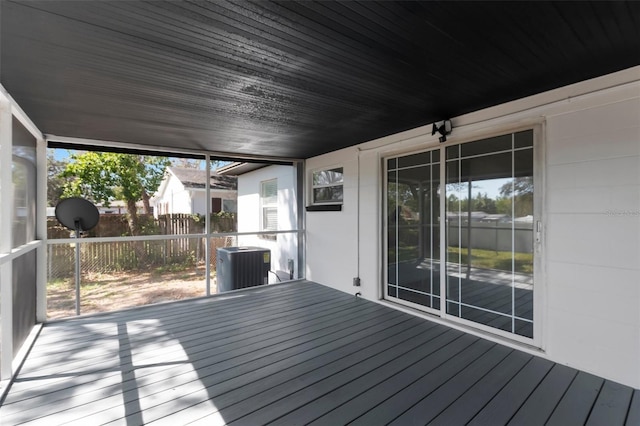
(444, 128)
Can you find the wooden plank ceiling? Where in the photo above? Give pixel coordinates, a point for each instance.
(294, 78)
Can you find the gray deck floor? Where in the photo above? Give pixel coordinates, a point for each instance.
(292, 354)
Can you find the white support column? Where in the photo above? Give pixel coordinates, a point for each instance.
(41, 230)
(299, 170)
(207, 225)
(6, 236)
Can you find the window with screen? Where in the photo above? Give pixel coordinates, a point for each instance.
(327, 186)
(269, 205)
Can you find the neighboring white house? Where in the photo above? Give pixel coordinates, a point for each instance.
(183, 191)
(267, 202)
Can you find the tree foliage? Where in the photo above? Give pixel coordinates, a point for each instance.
(522, 192)
(187, 163)
(103, 177)
(194, 163)
(515, 200)
(55, 181)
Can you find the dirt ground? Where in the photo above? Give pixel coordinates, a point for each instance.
(110, 292)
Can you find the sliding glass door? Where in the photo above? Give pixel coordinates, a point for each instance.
(488, 242)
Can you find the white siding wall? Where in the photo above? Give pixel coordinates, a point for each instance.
(199, 202)
(332, 236)
(181, 200)
(593, 239)
(176, 196)
(285, 246)
(590, 315)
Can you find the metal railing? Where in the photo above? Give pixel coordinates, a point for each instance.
(123, 272)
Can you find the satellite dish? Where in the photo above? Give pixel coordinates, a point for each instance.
(77, 214)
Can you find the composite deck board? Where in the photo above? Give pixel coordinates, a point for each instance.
(172, 326)
(361, 405)
(355, 377)
(222, 303)
(202, 338)
(392, 407)
(288, 354)
(270, 363)
(612, 405)
(383, 381)
(507, 402)
(541, 403)
(229, 393)
(211, 382)
(217, 360)
(177, 314)
(304, 374)
(233, 335)
(575, 406)
(428, 408)
(633, 415)
(206, 358)
(477, 396)
(150, 357)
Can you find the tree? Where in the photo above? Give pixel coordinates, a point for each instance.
(454, 203)
(503, 205)
(482, 203)
(103, 177)
(187, 163)
(522, 191)
(216, 164)
(194, 163)
(55, 181)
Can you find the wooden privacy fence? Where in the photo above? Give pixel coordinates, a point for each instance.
(130, 255)
(116, 225)
(118, 256)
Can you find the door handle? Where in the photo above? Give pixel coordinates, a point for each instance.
(538, 236)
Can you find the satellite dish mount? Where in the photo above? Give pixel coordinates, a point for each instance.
(78, 215)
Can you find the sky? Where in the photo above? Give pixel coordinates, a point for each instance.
(490, 186)
(63, 155)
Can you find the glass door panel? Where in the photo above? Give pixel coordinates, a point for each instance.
(489, 206)
(413, 247)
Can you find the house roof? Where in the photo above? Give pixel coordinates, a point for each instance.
(196, 179)
(239, 168)
(294, 79)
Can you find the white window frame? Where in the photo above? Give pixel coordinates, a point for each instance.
(313, 200)
(268, 205)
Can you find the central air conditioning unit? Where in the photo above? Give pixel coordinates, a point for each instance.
(241, 267)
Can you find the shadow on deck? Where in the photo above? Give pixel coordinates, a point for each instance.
(290, 354)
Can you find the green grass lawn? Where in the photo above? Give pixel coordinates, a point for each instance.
(489, 259)
(485, 259)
